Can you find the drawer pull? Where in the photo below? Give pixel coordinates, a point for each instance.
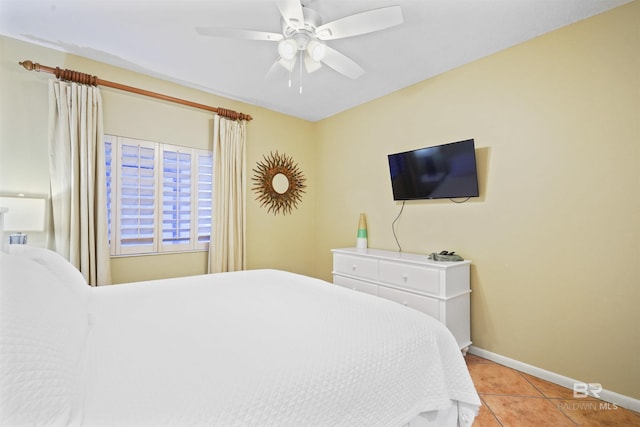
(405, 277)
(405, 303)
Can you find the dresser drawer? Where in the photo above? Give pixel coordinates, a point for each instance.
(439, 289)
(356, 266)
(421, 279)
(356, 285)
(426, 305)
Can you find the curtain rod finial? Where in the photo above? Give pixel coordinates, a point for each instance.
(28, 65)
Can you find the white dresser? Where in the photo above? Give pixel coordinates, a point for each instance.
(440, 289)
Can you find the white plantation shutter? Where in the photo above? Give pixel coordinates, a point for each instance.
(176, 198)
(137, 209)
(205, 191)
(158, 196)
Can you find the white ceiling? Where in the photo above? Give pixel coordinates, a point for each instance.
(158, 38)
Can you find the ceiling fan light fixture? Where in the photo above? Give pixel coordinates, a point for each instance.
(304, 34)
(310, 64)
(287, 64)
(287, 49)
(316, 50)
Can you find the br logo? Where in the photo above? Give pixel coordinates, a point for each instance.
(583, 390)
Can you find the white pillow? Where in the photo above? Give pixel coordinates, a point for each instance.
(54, 262)
(43, 329)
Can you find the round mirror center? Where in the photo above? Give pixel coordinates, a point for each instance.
(280, 183)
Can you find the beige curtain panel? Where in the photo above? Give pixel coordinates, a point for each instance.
(77, 172)
(227, 246)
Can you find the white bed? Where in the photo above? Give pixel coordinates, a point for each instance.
(251, 348)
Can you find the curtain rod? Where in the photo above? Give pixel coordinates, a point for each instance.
(78, 77)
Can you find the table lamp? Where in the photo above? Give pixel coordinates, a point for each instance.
(23, 213)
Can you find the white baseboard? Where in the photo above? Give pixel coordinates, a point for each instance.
(606, 395)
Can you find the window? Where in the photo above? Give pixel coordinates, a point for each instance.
(158, 196)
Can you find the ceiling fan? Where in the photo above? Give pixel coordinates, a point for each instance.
(304, 35)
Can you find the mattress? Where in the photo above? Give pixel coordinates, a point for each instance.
(250, 348)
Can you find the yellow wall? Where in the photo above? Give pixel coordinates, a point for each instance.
(555, 235)
(284, 242)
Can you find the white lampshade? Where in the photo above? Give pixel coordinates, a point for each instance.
(288, 64)
(310, 64)
(24, 213)
(317, 50)
(287, 49)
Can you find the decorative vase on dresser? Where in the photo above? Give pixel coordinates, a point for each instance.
(439, 289)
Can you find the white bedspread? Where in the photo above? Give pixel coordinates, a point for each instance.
(264, 348)
(253, 348)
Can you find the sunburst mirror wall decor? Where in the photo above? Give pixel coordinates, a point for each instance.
(278, 183)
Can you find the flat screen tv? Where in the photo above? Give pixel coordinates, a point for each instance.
(441, 172)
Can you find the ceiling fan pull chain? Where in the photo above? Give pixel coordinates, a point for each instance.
(301, 61)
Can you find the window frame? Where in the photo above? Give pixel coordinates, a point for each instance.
(115, 199)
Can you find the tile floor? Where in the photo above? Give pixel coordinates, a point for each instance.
(512, 398)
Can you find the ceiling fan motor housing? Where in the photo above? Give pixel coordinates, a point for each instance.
(305, 32)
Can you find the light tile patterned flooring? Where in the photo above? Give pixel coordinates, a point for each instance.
(512, 398)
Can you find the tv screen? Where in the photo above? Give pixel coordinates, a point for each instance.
(441, 172)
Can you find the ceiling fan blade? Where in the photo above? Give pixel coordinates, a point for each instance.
(342, 63)
(237, 33)
(291, 11)
(273, 70)
(360, 23)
